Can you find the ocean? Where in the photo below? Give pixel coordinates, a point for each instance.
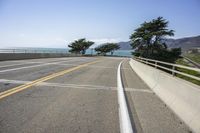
(116, 52)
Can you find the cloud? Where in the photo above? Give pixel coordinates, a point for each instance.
(105, 40)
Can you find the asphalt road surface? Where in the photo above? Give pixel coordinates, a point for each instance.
(77, 95)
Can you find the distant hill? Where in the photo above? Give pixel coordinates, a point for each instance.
(125, 45)
(185, 43)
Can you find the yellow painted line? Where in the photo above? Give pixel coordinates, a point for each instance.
(35, 82)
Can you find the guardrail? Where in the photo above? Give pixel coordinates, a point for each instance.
(180, 96)
(173, 71)
(33, 50)
(191, 61)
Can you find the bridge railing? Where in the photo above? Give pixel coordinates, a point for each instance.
(23, 50)
(172, 67)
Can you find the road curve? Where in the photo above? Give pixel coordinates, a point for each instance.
(77, 94)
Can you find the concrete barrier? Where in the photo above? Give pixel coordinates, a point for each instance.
(20, 56)
(181, 96)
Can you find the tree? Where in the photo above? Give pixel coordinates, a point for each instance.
(148, 39)
(113, 47)
(168, 55)
(80, 46)
(108, 47)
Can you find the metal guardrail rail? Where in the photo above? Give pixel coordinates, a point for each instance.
(33, 51)
(174, 66)
(191, 61)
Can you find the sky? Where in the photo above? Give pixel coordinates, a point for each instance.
(56, 23)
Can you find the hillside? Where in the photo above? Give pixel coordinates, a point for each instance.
(184, 43)
(125, 45)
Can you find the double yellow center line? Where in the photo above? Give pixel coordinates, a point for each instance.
(35, 82)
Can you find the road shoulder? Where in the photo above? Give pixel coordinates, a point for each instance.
(149, 113)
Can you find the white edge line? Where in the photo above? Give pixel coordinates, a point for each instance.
(124, 118)
(84, 86)
(38, 65)
(10, 65)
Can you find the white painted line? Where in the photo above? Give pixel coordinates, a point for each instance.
(61, 85)
(14, 69)
(45, 64)
(22, 62)
(125, 122)
(87, 87)
(19, 64)
(82, 86)
(92, 66)
(13, 81)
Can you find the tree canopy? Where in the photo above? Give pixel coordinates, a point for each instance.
(80, 46)
(148, 39)
(108, 47)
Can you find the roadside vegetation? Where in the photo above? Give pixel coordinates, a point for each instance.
(181, 61)
(80, 46)
(148, 41)
(193, 56)
(106, 48)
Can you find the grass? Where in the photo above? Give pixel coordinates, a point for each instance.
(191, 72)
(194, 56)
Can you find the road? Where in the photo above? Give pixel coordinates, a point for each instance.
(77, 94)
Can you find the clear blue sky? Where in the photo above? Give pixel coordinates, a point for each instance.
(54, 23)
